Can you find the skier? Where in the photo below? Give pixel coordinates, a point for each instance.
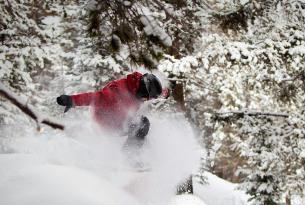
(115, 105)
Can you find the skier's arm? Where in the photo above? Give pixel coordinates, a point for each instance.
(85, 99)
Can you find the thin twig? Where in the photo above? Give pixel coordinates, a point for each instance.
(29, 111)
(251, 113)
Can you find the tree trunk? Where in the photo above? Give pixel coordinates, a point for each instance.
(178, 95)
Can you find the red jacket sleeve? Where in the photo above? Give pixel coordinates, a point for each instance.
(85, 99)
(107, 97)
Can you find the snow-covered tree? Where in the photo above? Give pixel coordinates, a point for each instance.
(250, 62)
(142, 31)
(22, 54)
(241, 64)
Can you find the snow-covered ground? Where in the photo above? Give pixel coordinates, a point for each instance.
(220, 192)
(28, 179)
(186, 199)
(84, 165)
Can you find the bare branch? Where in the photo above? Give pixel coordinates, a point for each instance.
(299, 76)
(240, 114)
(27, 110)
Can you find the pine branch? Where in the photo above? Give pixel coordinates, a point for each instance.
(299, 76)
(6, 93)
(241, 114)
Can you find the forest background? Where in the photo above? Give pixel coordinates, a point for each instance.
(236, 68)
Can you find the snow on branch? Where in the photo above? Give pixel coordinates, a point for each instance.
(6, 93)
(241, 114)
(151, 27)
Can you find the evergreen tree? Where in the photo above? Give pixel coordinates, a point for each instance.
(142, 31)
(250, 67)
(23, 55)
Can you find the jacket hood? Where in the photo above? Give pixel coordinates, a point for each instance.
(133, 82)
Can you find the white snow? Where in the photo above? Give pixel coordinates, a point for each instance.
(186, 199)
(151, 26)
(85, 165)
(91, 5)
(127, 3)
(220, 192)
(32, 181)
(51, 20)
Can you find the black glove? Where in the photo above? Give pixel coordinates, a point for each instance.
(65, 100)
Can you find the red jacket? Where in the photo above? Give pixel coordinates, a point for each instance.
(113, 104)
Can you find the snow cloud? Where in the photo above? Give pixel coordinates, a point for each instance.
(85, 165)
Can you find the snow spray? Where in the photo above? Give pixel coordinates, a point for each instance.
(86, 165)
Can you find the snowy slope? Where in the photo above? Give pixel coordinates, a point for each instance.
(84, 165)
(220, 192)
(28, 180)
(186, 199)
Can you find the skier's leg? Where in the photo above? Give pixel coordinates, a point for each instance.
(136, 138)
(137, 133)
(142, 128)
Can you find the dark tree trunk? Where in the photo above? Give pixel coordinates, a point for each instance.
(178, 95)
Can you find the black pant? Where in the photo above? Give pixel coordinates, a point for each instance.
(136, 138)
(137, 133)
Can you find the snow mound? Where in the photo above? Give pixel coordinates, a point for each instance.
(32, 181)
(84, 165)
(186, 199)
(220, 192)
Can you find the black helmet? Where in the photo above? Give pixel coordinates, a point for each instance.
(150, 86)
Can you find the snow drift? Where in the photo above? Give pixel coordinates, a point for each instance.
(85, 165)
